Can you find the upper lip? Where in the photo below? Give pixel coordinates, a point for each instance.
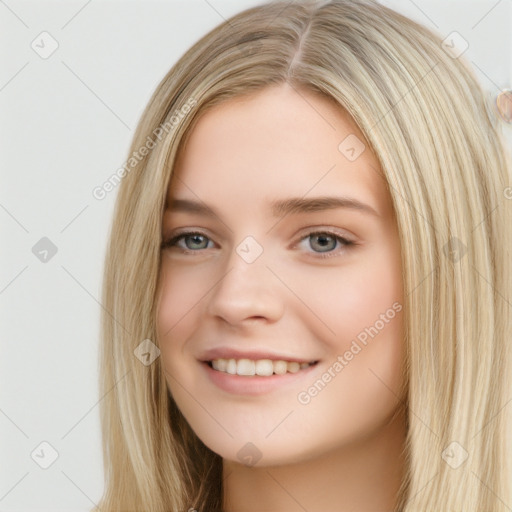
(230, 353)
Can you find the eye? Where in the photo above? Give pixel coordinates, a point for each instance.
(325, 243)
(193, 241)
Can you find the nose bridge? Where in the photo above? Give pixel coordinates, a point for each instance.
(246, 288)
(249, 250)
(246, 265)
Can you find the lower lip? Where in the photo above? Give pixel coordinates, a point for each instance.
(254, 385)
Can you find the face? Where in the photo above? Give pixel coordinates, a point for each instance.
(280, 248)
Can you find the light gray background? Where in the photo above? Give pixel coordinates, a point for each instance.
(66, 124)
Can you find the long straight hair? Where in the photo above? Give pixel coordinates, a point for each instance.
(440, 149)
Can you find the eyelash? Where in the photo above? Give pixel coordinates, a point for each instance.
(345, 243)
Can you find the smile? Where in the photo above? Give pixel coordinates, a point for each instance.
(260, 367)
(240, 377)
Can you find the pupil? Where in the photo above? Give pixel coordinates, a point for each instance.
(324, 242)
(196, 239)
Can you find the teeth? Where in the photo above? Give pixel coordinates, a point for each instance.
(261, 367)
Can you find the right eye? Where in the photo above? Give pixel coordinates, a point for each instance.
(193, 241)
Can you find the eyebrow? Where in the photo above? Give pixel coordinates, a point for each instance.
(282, 207)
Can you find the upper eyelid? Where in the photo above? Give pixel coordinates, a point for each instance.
(330, 231)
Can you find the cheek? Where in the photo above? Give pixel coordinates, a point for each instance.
(182, 295)
(363, 374)
(360, 384)
(354, 398)
(181, 300)
(353, 298)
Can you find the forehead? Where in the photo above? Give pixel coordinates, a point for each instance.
(278, 142)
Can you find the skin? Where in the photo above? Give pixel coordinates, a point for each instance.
(342, 450)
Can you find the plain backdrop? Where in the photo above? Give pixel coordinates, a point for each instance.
(66, 122)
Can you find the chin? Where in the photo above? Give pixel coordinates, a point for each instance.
(256, 451)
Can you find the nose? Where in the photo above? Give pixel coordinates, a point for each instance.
(247, 291)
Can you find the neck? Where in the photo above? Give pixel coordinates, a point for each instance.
(363, 476)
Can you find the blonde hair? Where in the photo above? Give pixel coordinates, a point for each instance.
(440, 149)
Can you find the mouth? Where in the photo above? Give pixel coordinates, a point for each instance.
(253, 378)
(255, 371)
(257, 367)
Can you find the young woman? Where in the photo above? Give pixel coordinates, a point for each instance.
(308, 277)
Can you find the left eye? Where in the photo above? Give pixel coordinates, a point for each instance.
(325, 242)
